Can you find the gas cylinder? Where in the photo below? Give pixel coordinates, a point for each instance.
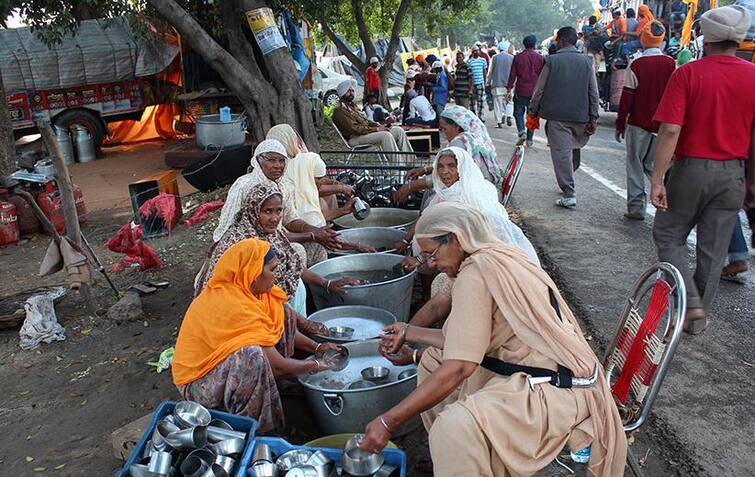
(83, 144)
(28, 223)
(66, 146)
(9, 233)
(51, 204)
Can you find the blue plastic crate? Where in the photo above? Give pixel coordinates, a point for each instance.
(394, 457)
(239, 423)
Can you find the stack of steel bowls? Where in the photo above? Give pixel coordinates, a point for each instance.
(294, 463)
(190, 443)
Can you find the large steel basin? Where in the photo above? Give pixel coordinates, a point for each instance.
(381, 239)
(393, 295)
(338, 409)
(367, 321)
(380, 217)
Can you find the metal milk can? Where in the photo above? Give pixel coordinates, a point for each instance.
(65, 144)
(84, 145)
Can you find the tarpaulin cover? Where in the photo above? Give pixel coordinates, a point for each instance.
(396, 76)
(101, 51)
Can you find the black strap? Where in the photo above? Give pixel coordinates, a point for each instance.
(561, 378)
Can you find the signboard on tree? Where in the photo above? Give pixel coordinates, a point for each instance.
(262, 23)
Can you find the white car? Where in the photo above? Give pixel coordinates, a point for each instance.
(327, 82)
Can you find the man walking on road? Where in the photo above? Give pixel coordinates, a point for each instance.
(644, 85)
(525, 70)
(462, 81)
(707, 118)
(478, 66)
(566, 95)
(498, 79)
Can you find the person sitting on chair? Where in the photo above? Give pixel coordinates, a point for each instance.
(358, 130)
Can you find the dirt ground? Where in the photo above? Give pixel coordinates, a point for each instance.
(60, 403)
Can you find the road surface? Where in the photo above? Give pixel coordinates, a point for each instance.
(703, 420)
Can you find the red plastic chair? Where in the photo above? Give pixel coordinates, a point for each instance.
(648, 332)
(511, 174)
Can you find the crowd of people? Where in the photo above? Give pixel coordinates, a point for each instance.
(238, 338)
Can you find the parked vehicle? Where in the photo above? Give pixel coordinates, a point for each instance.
(327, 81)
(99, 75)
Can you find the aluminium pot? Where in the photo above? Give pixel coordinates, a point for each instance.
(366, 321)
(212, 133)
(381, 239)
(338, 409)
(380, 217)
(393, 295)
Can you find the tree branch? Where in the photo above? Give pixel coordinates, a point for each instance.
(364, 33)
(342, 47)
(390, 53)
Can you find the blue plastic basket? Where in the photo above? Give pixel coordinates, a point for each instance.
(239, 423)
(278, 446)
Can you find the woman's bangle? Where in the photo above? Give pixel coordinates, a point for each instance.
(327, 285)
(403, 333)
(312, 236)
(414, 356)
(317, 364)
(406, 242)
(317, 347)
(385, 424)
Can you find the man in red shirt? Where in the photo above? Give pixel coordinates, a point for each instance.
(644, 84)
(372, 79)
(707, 118)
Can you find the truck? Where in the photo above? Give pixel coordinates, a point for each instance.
(106, 72)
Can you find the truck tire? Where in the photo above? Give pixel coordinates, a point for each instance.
(83, 117)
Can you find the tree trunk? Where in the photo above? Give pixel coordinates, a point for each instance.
(278, 100)
(390, 53)
(7, 143)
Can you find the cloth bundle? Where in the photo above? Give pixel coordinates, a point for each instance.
(41, 325)
(66, 255)
(203, 212)
(128, 240)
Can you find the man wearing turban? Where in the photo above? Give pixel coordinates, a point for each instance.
(707, 118)
(645, 81)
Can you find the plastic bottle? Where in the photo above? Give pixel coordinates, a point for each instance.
(225, 114)
(581, 456)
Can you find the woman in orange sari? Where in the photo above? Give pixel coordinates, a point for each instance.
(236, 339)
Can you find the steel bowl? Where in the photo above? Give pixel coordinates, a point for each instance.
(225, 462)
(361, 384)
(388, 471)
(407, 374)
(358, 462)
(340, 359)
(340, 332)
(293, 458)
(190, 414)
(322, 463)
(366, 321)
(303, 471)
(380, 217)
(191, 438)
(262, 453)
(375, 373)
(229, 447)
(139, 470)
(263, 469)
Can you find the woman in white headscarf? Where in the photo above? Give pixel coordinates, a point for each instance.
(483, 418)
(456, 178)
(268, 167)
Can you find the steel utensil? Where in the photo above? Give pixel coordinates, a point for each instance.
(262, 452)
(340, 359)
(227, 463)
(229, 447)
(192, 438)
(321, 462)
(376, 373)
(341, 332)
(358, 462)
(217, 434)
(361, 384)
(408, 373)
(163, 428)
(303, 471)
(193, 466)
(220, 423)
(190, 414)
(160, 463)
(388, 471)
(293, 458)
(263, 469)
(139, 470)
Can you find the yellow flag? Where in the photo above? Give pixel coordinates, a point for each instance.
(687, 28)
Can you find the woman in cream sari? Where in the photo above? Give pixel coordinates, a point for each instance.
(480, 422)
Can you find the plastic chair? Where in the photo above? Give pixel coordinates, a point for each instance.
(648, 332)
(354, 150)
(511, 175)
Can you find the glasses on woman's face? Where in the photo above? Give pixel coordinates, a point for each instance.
(276, 159)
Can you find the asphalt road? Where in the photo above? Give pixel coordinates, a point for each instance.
(703, 420)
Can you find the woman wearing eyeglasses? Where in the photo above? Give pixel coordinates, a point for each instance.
(481, 419)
